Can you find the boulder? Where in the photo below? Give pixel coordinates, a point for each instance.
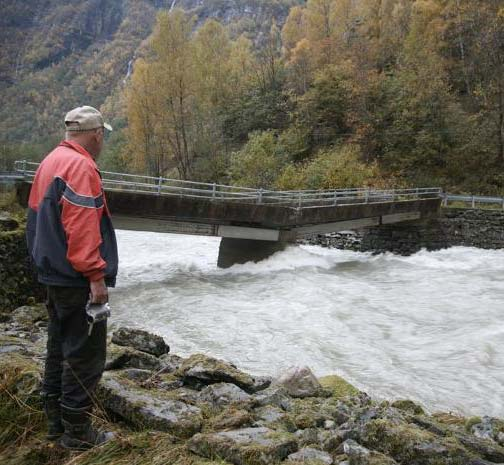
(359, 455)
(16, 345)
(338, 386)
(408, 406)
(230, 419)
(488, 428)
(308, 454)
(202, 369)
(119, 357)
(299, 382)
(168, 382)
(222, 394)
(140, 340)
(486, 448)
(307, 437)
(276, 396)
(148, 409)
(246, 446)
(136, 374)
(407, 443)
(26, 316)
(269, 414)
(261, 383)
(170, 362)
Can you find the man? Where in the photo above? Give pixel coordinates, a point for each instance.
(72, 244)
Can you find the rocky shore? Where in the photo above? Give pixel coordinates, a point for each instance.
(454, 227)
(168, 409)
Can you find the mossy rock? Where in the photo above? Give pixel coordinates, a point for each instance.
(201, 369)
(247, 446)
(470, 422)
(151, 409)
(407, 443)
(448, 418)
(408, 406)
(338, 386)
(229, 419)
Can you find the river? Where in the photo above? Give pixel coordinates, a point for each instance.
(427, 327)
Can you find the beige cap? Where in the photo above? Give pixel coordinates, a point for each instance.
(85, 119)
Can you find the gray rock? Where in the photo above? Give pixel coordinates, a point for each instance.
(276, 396)
(359, 455)
(299, 382)
(311, 455)
(170, 362)
(124, 357)
(186, 395)
(222, 394)
(269, 414)
(407, 443)
(307, 436)
(487, 449)
(136, 374)
(26, 316)
(202, 369)
(261, 383)
(169, 385)
(149, 409)
(247, 446)
(488, 429)
(329, 424)
(331, 440)
(140, 340)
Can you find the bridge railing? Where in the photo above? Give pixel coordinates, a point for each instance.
(219, 192)
(474, 201)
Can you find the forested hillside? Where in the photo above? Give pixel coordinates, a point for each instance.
(273, 94)
(55, 55)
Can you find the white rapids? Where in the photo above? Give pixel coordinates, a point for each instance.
(427, 327)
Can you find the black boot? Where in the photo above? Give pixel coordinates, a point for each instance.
(52, 409)
(79, 432)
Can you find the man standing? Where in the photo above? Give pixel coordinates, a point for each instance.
(72, 243)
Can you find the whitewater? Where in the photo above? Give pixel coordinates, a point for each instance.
(426, 327)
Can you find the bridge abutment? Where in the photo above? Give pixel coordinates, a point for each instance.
(235, 251)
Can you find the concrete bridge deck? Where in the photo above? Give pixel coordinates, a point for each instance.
(252, 222)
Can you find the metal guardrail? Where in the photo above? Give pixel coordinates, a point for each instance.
(300, 199)
(472, 200)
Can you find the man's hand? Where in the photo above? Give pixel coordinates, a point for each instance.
(99, 292)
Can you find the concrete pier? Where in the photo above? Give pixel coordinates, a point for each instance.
(234, 251)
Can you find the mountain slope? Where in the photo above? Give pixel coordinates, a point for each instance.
(55, 55)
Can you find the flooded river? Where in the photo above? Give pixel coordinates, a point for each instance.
(427, 327)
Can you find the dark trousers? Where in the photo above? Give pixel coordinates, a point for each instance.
(75, 360)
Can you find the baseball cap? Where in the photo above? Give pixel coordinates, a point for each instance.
(85, 119)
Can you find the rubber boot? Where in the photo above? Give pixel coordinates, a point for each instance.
(52, 409)
(79, 432)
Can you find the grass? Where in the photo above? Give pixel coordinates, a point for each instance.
(23, 430)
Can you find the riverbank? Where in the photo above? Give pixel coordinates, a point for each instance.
(455, 227)
(197, 410)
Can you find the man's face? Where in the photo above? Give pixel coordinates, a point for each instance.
(100, 136)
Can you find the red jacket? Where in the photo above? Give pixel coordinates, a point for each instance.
(69, 231)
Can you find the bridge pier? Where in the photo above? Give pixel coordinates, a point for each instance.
(235, 251)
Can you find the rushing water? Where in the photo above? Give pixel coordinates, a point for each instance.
(427, 327)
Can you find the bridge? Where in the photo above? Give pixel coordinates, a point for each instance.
(253, 223)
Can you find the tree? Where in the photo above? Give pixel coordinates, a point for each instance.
(259, 162)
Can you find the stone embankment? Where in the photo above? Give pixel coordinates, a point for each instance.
(455, 227)
(18, 285)
(169, 409)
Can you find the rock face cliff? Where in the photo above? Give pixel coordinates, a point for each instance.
(57, 54)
